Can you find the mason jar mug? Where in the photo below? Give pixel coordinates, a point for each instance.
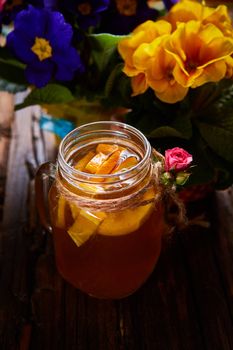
(104, 209)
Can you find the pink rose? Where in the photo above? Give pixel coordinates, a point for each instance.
(177, 159)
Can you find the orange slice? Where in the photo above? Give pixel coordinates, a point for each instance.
(126, 164)
(80, 165)
(109, 158)
(93, 165)
(109, 164)
(75, 210)
(66, 212)
(85, 226)
(106, 148)
(129, 220)
(61, 209)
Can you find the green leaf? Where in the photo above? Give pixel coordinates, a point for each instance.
(208, 162)
(11, 69)
(6, 56)
(180, 127)
(183, 125)
(202, 171)
(165, 131)
(112, 78)
(219, 136)
(103, 46)
(50, 94)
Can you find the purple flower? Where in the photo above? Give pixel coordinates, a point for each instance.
(42, 40)
(169, 3)
(125, 15)
(87, 11)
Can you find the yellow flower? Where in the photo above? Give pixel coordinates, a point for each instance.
(187, 10)
(189, 47)
(159, 66)
(200, 52)
(144, 33)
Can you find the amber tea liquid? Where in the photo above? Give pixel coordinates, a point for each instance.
(110, 266)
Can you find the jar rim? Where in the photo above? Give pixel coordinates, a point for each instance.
(91, 177)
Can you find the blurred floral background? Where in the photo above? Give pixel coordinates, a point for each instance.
(165, 67)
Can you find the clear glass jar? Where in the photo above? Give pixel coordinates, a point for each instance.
(107, 228)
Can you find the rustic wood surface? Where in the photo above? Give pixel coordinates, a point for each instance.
(187, 303)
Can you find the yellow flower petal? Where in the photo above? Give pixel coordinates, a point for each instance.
(195, 47)
(143, 34)
(221, 19)
(153, 29)
(174, 93)
(187, 10)
(183, 12)
(212, 73)
(139, 84)
(217, 49)
(186, 79)
(159, 85)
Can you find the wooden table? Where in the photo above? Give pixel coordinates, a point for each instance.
(187, 303)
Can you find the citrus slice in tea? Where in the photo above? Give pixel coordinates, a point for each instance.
(108, 159)
(126, 164)
(85, 226)
(81, 164)
(128, 220)
(108, 165)
(61, 212)
(106, 148)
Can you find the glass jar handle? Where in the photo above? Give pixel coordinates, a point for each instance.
(45, 175)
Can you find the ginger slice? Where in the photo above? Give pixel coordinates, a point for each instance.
(85, 226)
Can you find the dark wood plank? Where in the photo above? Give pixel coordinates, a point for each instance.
(15, 239)
(199, 245)
(223, 244)
(6, 116)
(162, 315)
